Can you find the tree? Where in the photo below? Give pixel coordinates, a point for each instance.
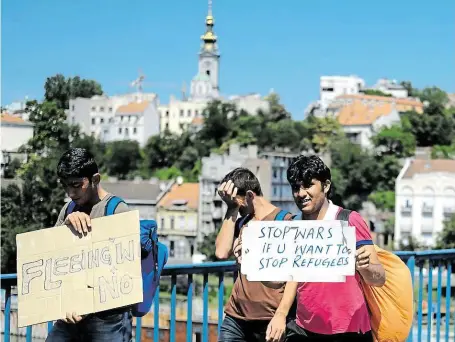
(443, 151)
(352, 173)
(11, 168)
(277, 111)
(122, 158)
(433, 127)
(320, 132)
(394, 141)
(162, 151)
(60, 90)
(383, 200)
(446, 238)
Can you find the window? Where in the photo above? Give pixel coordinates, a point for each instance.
(110, 109)
(327, 88)
(189, 112)
(102, 120)
(162, 223)
(73, 119)
(167, 125)
(275, 191)
(207, 72)
(172, 222)
(106, 132)
(101, 109)
(167, 113)
(93, 109)
(93, 121)
(181, 112)
(182, 222)
(274, 173)
(127, 131)
(120, 130)
(171, 248)
(196, 113)
(134, 130)
(72, 108)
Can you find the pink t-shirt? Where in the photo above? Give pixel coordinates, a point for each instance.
(334, 308)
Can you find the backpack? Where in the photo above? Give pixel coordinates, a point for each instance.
(391, 306)
(154, 256)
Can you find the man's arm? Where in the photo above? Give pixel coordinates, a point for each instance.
(367, 261)
(225, 238)
(289, 294)
(277, 326)
(371, 270)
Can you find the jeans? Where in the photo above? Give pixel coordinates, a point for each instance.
(105, 326)
(295, 333)
(237, 330)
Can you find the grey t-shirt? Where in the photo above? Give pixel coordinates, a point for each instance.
(98, 209)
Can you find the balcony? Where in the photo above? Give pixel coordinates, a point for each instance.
(448, 211)
(406, 209)
(427, 209)
(197, 312)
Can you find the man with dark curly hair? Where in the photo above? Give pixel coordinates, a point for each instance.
(331, 311)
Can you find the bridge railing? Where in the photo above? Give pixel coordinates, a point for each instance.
(432, 272)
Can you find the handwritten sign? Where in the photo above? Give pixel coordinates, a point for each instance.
(303, 251)
(60, 272)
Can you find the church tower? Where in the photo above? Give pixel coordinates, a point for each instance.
(206, 83)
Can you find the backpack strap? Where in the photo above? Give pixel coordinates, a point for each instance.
(281, 215)
(343, 215)
(70, 208)
(112, 205)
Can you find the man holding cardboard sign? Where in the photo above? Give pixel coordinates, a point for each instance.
(78, 174)
(332, 311)
(256, 311)
(329, 308)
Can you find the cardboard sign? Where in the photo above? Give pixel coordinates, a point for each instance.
(60, 272)
(303, 251)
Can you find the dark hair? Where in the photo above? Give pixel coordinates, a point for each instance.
(77, 162)
(244, 180)
(304, 169)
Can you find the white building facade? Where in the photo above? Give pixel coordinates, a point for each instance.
(424, 198)
(98, 116)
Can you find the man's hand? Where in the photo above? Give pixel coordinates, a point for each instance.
(362, 258)
(227, 192)
(237, 250)
(79, 221)
(276, 328)
(72, 318)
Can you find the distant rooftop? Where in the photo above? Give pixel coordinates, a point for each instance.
(420, 166)
(184, 194)
(7, 118)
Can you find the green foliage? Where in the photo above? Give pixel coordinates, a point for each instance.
(446, 238)
(207, 246)
(413, 244)
(60, 90)
(11, 168)
(122, 157)
(167, 173)
(383, 200)
(436, 126)
(394, 141)
(443, 152)
(375, 92)
(321, 132)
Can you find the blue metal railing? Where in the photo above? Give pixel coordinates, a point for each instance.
(423, 263)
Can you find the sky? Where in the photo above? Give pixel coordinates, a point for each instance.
(282, 45)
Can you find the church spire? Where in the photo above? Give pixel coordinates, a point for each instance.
(209, 37)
